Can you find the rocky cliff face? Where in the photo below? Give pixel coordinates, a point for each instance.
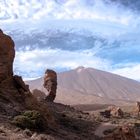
(15, 95)
(7, 54)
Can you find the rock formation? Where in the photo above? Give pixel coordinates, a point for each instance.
(13, 90)
(116, 112)
(20, 85)
(112, 111)
(15, 96)
(7, 54)
(50, 83)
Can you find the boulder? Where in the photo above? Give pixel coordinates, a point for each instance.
(7, 54)
(50, 83)
(116, 112)
(112, 111)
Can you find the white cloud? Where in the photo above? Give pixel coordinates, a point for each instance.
(33, 63)
(36, 61)
(98, 17)
(70, 9)
(129, 70)
(108, 19)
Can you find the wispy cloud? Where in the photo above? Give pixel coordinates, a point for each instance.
(130, 70)
(70, 9)
(33, 63)
(63, 34)
(37, 61)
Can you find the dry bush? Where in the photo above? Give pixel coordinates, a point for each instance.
(30, 119)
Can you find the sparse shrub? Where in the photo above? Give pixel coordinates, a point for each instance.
(30, 120)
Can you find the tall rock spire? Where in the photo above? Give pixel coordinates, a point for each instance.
(7, 54)
(50, 83)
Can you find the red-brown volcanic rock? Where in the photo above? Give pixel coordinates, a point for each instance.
(50, 83)
(7, 54)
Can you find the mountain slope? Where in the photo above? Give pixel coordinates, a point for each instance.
(89, 86)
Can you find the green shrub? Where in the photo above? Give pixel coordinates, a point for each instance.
(30, 120)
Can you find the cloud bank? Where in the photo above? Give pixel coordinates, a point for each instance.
(65, 34)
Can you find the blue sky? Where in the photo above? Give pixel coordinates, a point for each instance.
(65, 34)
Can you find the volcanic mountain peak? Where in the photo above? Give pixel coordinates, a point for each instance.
(88, 86)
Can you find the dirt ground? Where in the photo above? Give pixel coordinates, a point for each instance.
(108, 126)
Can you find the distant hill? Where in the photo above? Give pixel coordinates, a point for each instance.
(90, 86)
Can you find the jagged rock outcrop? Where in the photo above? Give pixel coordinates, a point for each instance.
(21, 86)
(13, 90)
(15, 95)
(7, 54)
(50, 83)
(116, 112)
(112, 111)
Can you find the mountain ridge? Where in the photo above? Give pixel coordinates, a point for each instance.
(88, 85)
